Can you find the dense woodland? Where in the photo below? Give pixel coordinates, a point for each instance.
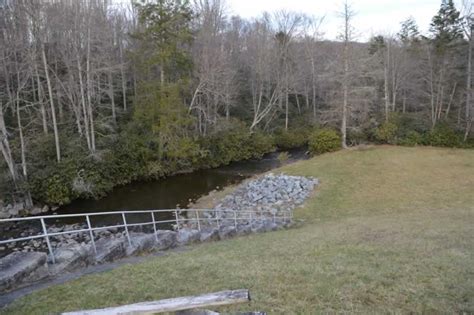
(95, 94)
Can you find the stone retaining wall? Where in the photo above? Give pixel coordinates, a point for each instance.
(19, 269)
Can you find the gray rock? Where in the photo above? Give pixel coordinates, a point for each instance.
(270, 226)
(35, 211)
(21, 268)
(188, 236)
(72, 257)
(141, 242)
(227, 232)
(268, 194)
(166, 239)
(15, 209)
(244, 229)
(4, 214)
(258, 227)
(208, 235)
(109, 249)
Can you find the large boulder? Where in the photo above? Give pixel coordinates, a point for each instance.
(110, 249)
(227, 232)
(188, 236)
(21, 268)
(4, 213)
(14, 210)
(270, 226)
(258, 227)
(35, 211)
(141, 242)
(244, 229)
(3, 210)
(209, 234)
(166, 239)
(70, 257)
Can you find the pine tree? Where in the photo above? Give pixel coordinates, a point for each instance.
(165, 32)
(165, 63)
(446, 25)
(409, 31)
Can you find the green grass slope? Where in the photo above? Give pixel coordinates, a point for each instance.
(390, 229)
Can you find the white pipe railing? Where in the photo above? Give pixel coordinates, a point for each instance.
(237, 215)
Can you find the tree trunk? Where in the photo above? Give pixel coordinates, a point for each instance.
(124, 80)
(27, 194)
(84, 106)
(112, 96)
(40, 101)
(286, 110)
(451, 98)
(175, 304)
(51, 102)
(432, 92)
(345, 89)
(90, 113)
(386, 79)
(404, 103)
(22, 138)
(298, 103)
(469, 107)
(5, 147)
(313, 87)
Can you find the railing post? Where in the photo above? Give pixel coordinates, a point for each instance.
(50, 248)
(274, 217)
(177, 220)
(197, 218)
(235, 218)
(217, 220)
(154, 225)
(251, 218)
(91, 234)
(126, 229)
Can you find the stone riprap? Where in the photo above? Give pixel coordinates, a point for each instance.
(268, 195)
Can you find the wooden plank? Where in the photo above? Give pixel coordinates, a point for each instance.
(172, 305)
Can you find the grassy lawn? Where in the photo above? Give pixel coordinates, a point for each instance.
(390, 230)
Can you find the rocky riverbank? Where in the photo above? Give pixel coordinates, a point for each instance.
(260, 205)
(270, 193)
(19, 209)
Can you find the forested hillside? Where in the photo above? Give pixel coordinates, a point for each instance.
(95, 94)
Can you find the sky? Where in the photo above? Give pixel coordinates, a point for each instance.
(372, 16)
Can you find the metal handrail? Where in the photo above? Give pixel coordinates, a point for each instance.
(252, 216)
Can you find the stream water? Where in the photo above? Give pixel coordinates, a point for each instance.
(168, 193)
(178, 190)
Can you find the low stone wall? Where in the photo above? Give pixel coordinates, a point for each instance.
(20, 269)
